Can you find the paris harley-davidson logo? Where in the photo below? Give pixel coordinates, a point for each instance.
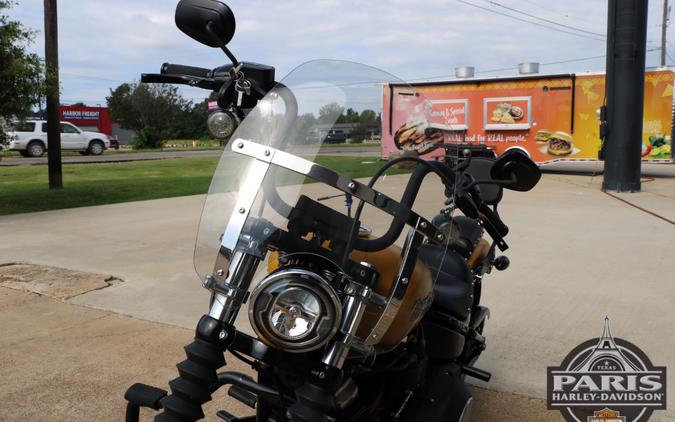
(606, 379)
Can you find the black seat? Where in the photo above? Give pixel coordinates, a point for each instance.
(453, 288)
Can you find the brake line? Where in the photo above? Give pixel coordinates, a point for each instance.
(640, 208)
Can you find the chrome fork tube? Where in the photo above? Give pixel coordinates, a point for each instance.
(352, 312)
(230, 294)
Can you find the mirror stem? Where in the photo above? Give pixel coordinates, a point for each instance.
(230, 56)
(214, 35)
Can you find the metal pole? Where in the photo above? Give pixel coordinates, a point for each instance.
(663, 32)
(53, 117)
(626, 47)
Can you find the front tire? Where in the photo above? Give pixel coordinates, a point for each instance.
(35, 149)
(96, 148)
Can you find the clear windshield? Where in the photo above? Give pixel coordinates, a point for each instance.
(281, 175)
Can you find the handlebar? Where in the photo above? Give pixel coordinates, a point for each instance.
(179, 69)
(398, 223)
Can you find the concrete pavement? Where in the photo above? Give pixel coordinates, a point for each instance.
(577, 255)
(66, 362)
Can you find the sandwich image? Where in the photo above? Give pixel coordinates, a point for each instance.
(516, 112)
(507, 113)
(416, 135)
(507, 118)
(560, 143)
(543, 136)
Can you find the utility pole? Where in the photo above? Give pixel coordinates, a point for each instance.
(664, 25)
(53, 117)
(621, 117)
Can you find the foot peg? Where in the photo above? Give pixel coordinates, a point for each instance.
(228, 417)
(476, 373)
(141, 395)
(242, 395)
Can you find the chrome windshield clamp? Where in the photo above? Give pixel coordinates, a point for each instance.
(230, 293)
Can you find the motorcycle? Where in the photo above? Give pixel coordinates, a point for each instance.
(365, 314)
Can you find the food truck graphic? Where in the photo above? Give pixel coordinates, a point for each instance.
(549, 117)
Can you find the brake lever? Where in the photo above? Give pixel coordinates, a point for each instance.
(205, 83)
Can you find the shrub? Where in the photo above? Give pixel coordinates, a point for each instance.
(148, 138)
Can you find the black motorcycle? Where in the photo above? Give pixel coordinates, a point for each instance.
(364, 314)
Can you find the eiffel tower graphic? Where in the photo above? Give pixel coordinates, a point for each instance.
(606, 357)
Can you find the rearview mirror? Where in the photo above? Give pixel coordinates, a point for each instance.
(515, 171)
(208, 21)
(479, 168)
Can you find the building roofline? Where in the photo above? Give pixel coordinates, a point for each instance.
(465, 81)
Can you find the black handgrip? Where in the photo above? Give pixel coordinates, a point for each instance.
(179, 69)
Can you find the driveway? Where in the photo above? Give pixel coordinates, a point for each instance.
(75, 363)
(577, 256)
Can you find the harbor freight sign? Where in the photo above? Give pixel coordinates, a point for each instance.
(81, 114)
(606, 379)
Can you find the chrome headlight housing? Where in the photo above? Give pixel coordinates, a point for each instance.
(295, 310)
(222, 124)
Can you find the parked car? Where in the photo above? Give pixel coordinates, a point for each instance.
(336, 137)
(30, 139)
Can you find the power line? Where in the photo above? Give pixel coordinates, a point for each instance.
(530, 22)
(669, 57)
(544, 19)
(77, 75)
(548, 9)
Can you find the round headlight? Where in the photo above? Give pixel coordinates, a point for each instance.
(221, 124)
(295, 310)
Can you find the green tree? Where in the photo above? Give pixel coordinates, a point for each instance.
(192, 121)
(331, 112)
(350, 116)
(359, 133)
(155, 111)
(21, 72)
(368, 117)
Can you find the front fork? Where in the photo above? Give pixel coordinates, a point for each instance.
(198, 377)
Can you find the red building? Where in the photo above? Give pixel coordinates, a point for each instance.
(95, 119)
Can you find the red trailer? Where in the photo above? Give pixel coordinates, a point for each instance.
(549, 117)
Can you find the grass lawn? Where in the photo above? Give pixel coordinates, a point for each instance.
(182, 145)
(25, 188)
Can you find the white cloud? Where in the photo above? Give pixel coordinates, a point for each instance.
(103, 43)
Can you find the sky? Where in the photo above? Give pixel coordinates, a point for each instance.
(105, 43)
